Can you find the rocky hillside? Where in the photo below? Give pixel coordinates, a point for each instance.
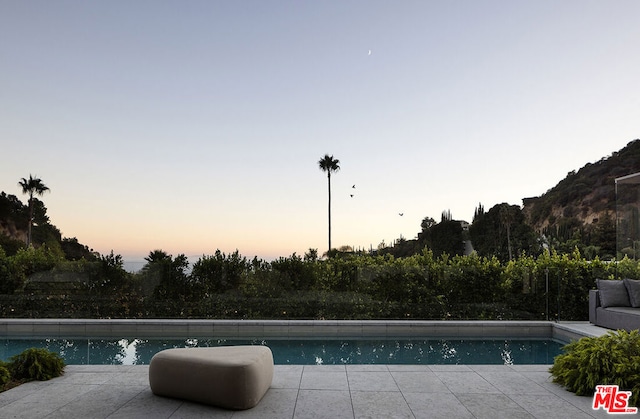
(14, 219)
(585, 196)
(9, 229)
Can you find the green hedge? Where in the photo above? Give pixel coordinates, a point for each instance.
(348, 286)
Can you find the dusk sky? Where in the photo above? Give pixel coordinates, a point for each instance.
(191, 126)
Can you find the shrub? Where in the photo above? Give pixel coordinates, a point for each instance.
(36, 364)
(5, 375)
(220, 272)
(610, 359)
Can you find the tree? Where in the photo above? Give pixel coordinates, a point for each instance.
(604, 236)
(74, 250)
(329, 164)
(506, 219)
(479, 212)
(112, 279)
(219, 273)
(443, 237)
(165, 276)
(32, 186)
(447, 237)
(502, 232)
(424, 236)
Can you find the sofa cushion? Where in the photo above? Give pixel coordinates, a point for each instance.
(627, 311)
(613, 293)
(633, 288)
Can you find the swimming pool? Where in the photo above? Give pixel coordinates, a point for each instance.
(137, 351)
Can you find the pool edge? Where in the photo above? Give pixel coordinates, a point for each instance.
(54, 328)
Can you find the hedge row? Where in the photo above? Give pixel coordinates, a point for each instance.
(550, 286)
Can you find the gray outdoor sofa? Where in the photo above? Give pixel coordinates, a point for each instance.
(615, 304)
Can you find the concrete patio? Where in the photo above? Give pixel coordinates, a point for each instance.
(312, 391)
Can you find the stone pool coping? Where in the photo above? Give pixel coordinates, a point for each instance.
(229, 329)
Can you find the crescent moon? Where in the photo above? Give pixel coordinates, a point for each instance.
(369, 52)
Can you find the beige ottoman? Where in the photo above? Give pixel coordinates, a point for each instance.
(233, 377)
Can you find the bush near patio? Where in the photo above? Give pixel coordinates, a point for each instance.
(30, 365)
(612, 359)
(346, 286)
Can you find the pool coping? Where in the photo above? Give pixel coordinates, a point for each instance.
(228, 329)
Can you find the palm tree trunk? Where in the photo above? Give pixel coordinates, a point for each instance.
(329, 186)
(30, 220)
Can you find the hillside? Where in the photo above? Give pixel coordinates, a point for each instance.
(585, 196)
(14, 219)
(9, 229)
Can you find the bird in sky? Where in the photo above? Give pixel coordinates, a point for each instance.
(354, 186)
(401, 214)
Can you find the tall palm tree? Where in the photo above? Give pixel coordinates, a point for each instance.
(32, 186)
(329, 164)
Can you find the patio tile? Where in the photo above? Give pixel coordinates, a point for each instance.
(419, 382)
(125, 379)
(366, 367)
(21, 391)
(541, 378)
(43, 402)
(146, 404)
(98, 402)
(371, 381)
(415, 368)
(493, 406)
(276, 404)
(449, 367)
(317, 404)
(94, 368)
(530, 368)
(325, 368)
(287, 376)
(490, 368)
(465, 382)
(513, 383)
(380, 404)
(26, 411)
(188, 410)
(548, 406)
(583, 403)
(436, 405)
(545, 381)
(86, 377)
(321, 380)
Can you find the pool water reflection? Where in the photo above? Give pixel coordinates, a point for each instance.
(135, 351)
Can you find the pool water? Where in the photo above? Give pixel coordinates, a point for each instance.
(305, 352)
